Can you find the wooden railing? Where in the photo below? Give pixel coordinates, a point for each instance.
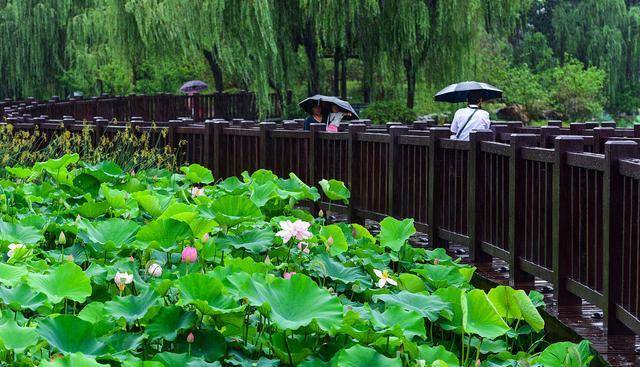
(161, 107)
(559, 204)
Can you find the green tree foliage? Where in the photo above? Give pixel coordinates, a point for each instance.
(385, 111)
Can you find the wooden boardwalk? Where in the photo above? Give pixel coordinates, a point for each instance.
(584, 322)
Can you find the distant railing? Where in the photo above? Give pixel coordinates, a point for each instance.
(160, 107)
(560, 204)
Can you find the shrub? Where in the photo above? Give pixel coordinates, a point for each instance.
(387, 111)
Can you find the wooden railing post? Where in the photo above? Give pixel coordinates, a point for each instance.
(547, 134)
(561, 226)
(208, 143)
(475, 217)
(393, 193)
(436, 173)
(218, 127)
(353, 174)
(517, 216)
(313, 147)
(613, 231)
(265, 143)
(600, 136)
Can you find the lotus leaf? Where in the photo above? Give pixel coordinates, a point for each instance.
(394, 233)
(64, 281)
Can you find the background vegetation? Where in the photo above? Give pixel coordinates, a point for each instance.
(578, 58)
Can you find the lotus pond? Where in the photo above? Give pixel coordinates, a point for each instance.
(102, 267)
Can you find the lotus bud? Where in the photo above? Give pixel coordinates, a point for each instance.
(189, 255)
(330, 241)
(133, 172)
(155, 270)
(320, 213)
(190, 338)
(69, 258)
(131, 258)
(436, 261)
(62, 239)
(155, 178)
(478, 364)
(267, 260)
(421, 363)
(288, 275)
(206, 237)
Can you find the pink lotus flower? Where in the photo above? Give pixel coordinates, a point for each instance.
(131, 258)
(288, 275)
(197, 191)
(304, 247)
(190, 338)
(298, 229)
(189, 255)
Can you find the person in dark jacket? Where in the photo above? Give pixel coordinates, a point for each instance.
(317, 117)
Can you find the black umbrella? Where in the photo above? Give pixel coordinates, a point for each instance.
(326, 102)
(458, 92)
(194, 86)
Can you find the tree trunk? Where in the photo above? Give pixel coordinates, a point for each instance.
(215, 70)
(367, 80)
(336, 72)
(343, 82)
(312, 56)
(411, 81)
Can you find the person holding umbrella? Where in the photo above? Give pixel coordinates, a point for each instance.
(318, 106)
(472, 117)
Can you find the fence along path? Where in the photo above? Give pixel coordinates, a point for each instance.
(562, 205)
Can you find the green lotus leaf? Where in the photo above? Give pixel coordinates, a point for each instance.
(169, 322)
(70, 334)
(22, 296)
(361, 356)
(131, 308)
(335, 190)
(514, 304)
(326, 266)
(152, 203)
(169, 359)
(122, 342)
(189, 214)
(112, 233)
(399, 322)
(96, 314)
(11, 275)
(17, 338)
(93, 209)
(432, 354)
(208, 344)
(55, 164)
(394, 233)
(334, 232)
(480, 317)
(429, 306)
(207, 294)
(232, 185)
(65, 281)
(262, 193)
(290, 349)
(104, 171)
(453, 296)
(566, 354)
(197, 173)
(362, 234)
(488, 346)
(259, 177)
(116, 198)
(292, 303)
(86, 183)
(164, 234)
(255, 241)
(73, 360)
(231, 210)
(242, 361)
(441, 276)
(18, 233)
(20, 172)
(411, 283)
(293, 187)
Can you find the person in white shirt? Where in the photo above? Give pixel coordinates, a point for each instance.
(470, 118)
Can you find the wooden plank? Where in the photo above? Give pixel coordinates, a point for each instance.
(586, 160)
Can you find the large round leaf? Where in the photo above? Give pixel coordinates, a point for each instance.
(394, 233)
(169, 359)
(65, 281)
(325, 266)
(432, 354)
(17, 338)
(207, 293)
(164, 233)
(231, 210)
(11, 275)
(335, 190)
(73, 360)
(131, 308)
(255, 241)
(429, 306)
(480, 317)
(361, 356)
(197, 173)
(114, 232)
(169, 322)
(292, 303)
(22, 297)
(332, 234)
(104, 171)
(396, 321)
(152, 203)
(514, 304)
(71, 334)
(18, 233)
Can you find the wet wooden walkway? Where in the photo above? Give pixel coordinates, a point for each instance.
(577, 323)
